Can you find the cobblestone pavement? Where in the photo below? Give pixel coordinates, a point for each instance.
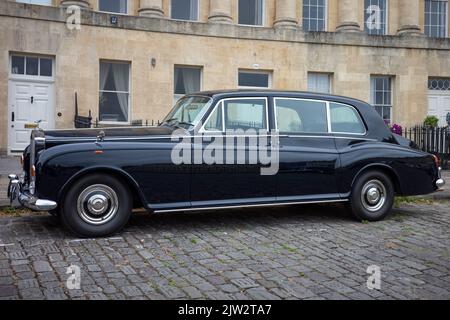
(298, 252)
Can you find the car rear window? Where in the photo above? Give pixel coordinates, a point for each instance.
(345, 119)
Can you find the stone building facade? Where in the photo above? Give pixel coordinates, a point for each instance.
(129, 60)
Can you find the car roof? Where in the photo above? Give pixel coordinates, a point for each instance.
(285, 93)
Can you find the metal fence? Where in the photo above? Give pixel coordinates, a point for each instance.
(431, 140)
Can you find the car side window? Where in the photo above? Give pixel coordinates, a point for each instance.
(301, 116)
(245, 114)
(345, 119)
(214, 122)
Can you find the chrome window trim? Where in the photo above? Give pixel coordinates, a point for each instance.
(216, 107)
(327, 103)
(299, 99)
(222, 104)
(357, 114)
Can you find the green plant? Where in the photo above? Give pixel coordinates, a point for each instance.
(431, 121)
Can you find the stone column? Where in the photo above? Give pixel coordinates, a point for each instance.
(286, 14)
(81, 3)
(409, 17)
(348, 16)
(151, 8)
(220, 11)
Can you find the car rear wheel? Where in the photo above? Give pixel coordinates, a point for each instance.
(372, 196)
(97, 205)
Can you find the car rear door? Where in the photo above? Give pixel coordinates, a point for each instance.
(307, 150)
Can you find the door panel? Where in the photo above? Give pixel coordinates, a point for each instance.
(237, 181)
(28, 102)
(307, 168)
(308, 155)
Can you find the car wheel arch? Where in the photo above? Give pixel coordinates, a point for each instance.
(383, 168)
(123, 176)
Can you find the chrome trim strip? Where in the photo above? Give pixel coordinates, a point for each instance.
(332, 137)
(251, 205)
(210, 135)
(32, 178)
(329, 117)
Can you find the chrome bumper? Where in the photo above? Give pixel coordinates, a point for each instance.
(440, 182)
(19, 197)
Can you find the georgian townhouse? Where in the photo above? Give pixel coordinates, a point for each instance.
(130, 60)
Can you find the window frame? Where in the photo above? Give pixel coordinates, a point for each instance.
(263, 18)
(269, 80)
(361, 120)
(35, 4)
(221, 103)
(330, 81)
(183, 66)
(26, 76)
(189, 20)
(446, 35)
(386, 23)
(329, 132)
(115, 13)
(372, 94)
(109, 91)
(326, 14)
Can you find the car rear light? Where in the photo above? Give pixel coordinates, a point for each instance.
(33, 171)
(437, 161)
(22, 161)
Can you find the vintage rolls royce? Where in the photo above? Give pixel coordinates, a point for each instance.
(322, 148)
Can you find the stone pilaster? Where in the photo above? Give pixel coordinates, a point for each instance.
(220, 11)
(348, 16)
(151, 8)
(286, 14)
(81, 3)
(409, 17)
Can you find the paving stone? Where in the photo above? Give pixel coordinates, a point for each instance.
(275, 253)
(42, 266)
(244, 283)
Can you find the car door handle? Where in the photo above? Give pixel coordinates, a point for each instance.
(32, 99)
(12, 116)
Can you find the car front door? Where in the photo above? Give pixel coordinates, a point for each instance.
(231, 175)
(308, 155)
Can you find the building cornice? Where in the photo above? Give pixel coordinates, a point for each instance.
(103, 20)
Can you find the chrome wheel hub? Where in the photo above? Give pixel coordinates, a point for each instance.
(97, 204)
(373, 195)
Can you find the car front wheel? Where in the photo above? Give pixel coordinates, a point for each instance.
(372, 196)
(97, 205)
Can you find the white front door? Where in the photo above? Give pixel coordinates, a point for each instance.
(29, 102)
(439, 105)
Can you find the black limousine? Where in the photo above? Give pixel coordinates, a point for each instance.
(321, 148)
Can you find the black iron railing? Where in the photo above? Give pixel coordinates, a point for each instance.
(432, 140)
